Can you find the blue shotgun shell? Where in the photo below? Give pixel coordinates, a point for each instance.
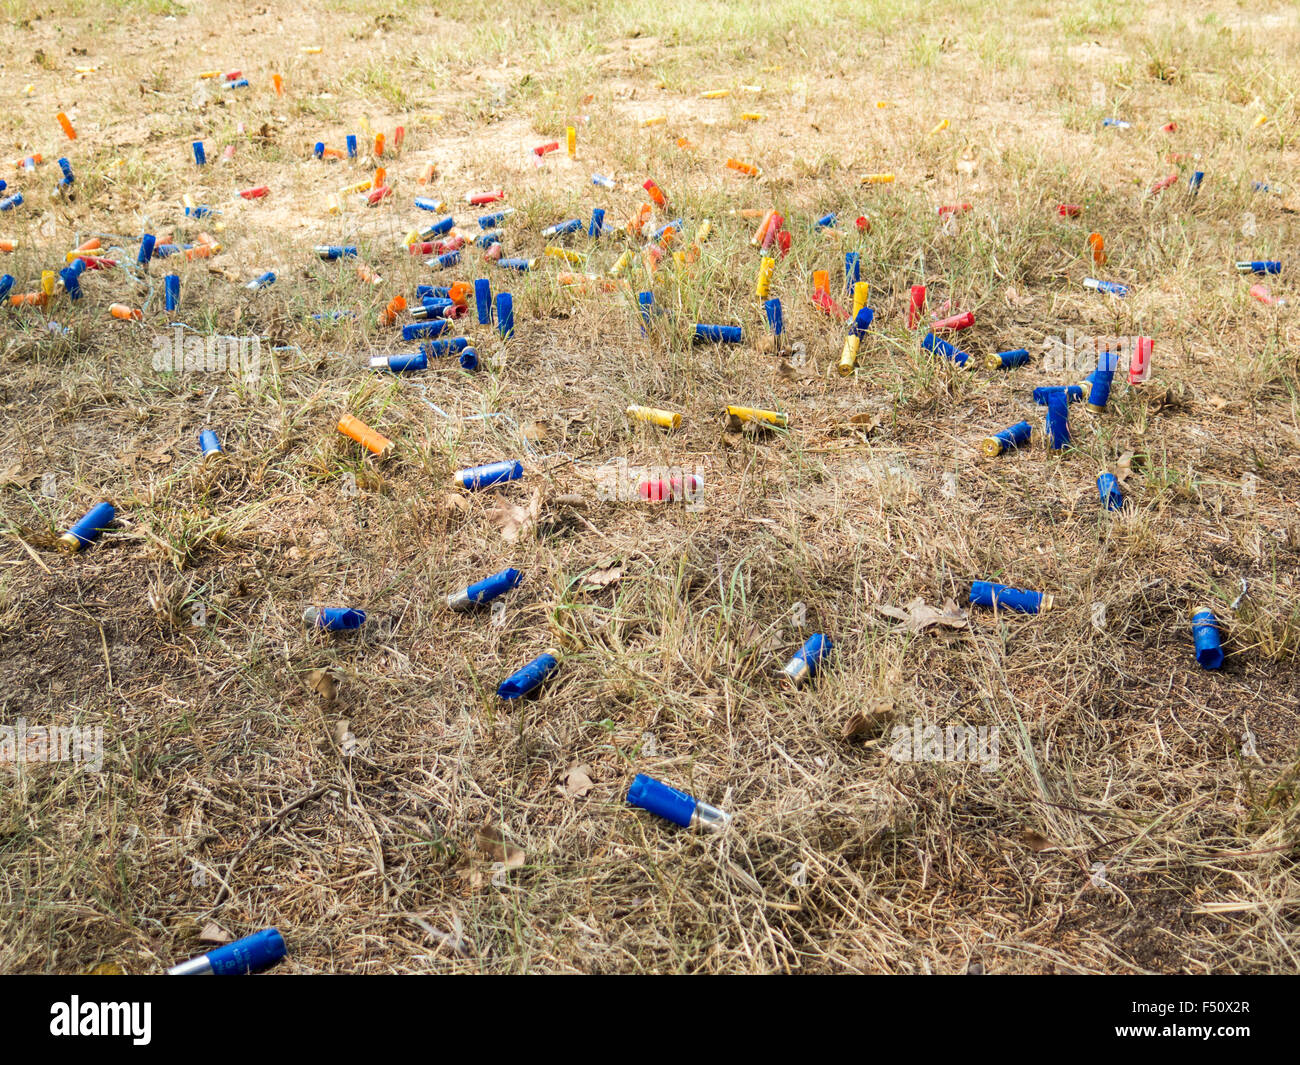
(1194, 182)
(1261, 266)
(433, 307)
(469, 359)
(658, 798)
(319, 150)
(209, 444)
(334, 618)
(941, 347)
(493, 473)
(267, 278)
(10, 202)
(522, 265)
(352, 145)
(1008, 439)
(571, 225)
(71, 278)
(1073, 393)
(437, 292)
(251, 954)
(87, 530)
(1205, 636)
(1108, 489)
(6, 283)
(1008, 360)
(986, 593)
(529, 678)
(1113, 287)
(852, 270)
(808, 659)
(505, 315)
(718, 334)
(172, 291)
(431, 327)
(335, 251)
(826, 221)
(248, 955)
(597, 223)
(775, 320)
(1058, 420)
(147, 242)
(862, 322)
(435, 349)
(200, 156)
(645, 302)
(491, 221)
(483, 300)
(486, 590)
(66, 167)
(1099, 382)
(408, 363)
(443, 261)
(675, 225)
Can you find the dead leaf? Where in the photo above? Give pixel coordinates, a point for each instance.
(322, 682)
(864, 723)
(14, 476)
(577, 782)
(214, 933)
(453, 505)
(1124, 467)
(493, 843)
(534, 432)
(867, 422)
(1035, 841)
(513, 520)
(601, 578)
(918, 616)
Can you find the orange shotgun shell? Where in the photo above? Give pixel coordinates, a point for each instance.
(359, 431)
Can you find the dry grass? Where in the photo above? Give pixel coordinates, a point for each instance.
(1126, 828)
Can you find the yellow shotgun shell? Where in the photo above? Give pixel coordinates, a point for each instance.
(567, 254)
(715, 94)
(940, 127)
(765, 267)
(571, 140)
(879, 179)
(861, 292)
(374, 442)
(624, 261)
(666, 419)
(754, 414)
(706, 227)
(849, 356)
(658, 120)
